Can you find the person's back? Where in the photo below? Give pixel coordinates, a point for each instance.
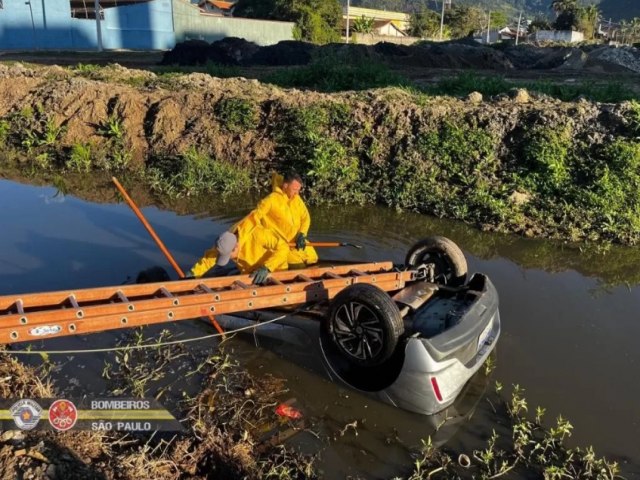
(284, 212)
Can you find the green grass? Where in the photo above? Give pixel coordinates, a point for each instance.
(463, 84)
(332, 74)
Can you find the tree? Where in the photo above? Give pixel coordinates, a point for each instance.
(539, 23)
(424, 24)
(317, 21)
(363, 25)
(588, 21)
(563, 6)
(464, 20)
(499, 19)
(567, 16)
(255, 9)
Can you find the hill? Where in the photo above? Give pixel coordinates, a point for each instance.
(614, 9)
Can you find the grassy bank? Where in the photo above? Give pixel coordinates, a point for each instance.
(521, 163)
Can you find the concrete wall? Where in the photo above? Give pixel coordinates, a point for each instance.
(371, 39)
(557, 36)
(142, 26)
(191, 24)
(47, 24)
(34, 26)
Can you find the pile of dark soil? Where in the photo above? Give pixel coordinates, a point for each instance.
(460, 54)
(228, 51)
(284, 53)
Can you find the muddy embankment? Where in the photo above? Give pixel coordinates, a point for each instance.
(518, 162)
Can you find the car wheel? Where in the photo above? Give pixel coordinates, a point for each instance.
(365, 324)
(449, 264)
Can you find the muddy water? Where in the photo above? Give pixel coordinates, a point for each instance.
(570, 320)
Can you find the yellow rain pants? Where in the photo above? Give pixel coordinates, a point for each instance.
(257, 247)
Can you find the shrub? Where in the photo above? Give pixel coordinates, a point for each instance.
(237, 115)
(451, 171)
(546, 152)
(633, 117)
(5, 128)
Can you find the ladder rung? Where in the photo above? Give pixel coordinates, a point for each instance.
(122, 297)
(205, 288)
(304, 278)
(165, 292)
(274, 281)
(73, 301)
(359, 273)
(19, 307)
(331, 275)
(240, 284)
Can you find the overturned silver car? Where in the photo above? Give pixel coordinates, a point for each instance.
(414, 348)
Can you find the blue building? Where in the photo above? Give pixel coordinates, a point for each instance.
(123, 24)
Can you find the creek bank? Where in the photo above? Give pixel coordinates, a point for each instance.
(520, 162)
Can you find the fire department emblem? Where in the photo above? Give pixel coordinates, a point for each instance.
(63, 415)
(26, 414)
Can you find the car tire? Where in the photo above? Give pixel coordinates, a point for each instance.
(365, 324)
(450, 265)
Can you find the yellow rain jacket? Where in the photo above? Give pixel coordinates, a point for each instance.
(257, 247)
(286, 217)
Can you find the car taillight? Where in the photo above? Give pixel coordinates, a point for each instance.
(436, 388)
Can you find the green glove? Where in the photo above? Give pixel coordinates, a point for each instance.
(301, 241)
(260, 275)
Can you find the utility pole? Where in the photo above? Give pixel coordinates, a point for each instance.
(442, 19)
(488, 26)
(518, 30)
(96, 6)
(347, 21)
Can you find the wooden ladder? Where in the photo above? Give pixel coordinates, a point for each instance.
(43, 315)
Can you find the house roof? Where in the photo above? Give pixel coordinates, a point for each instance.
(221, 4)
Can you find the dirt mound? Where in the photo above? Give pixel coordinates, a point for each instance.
(392, 49)
(237, 50)
(455, 55)
(466, 54)
(287, 52)
(615, 59)
(195, 52)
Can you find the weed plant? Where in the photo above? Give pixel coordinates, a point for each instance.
(633, 118)
(333, 170)
(80, 158)
(237, 115)
(194, 173)
(533, 451)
